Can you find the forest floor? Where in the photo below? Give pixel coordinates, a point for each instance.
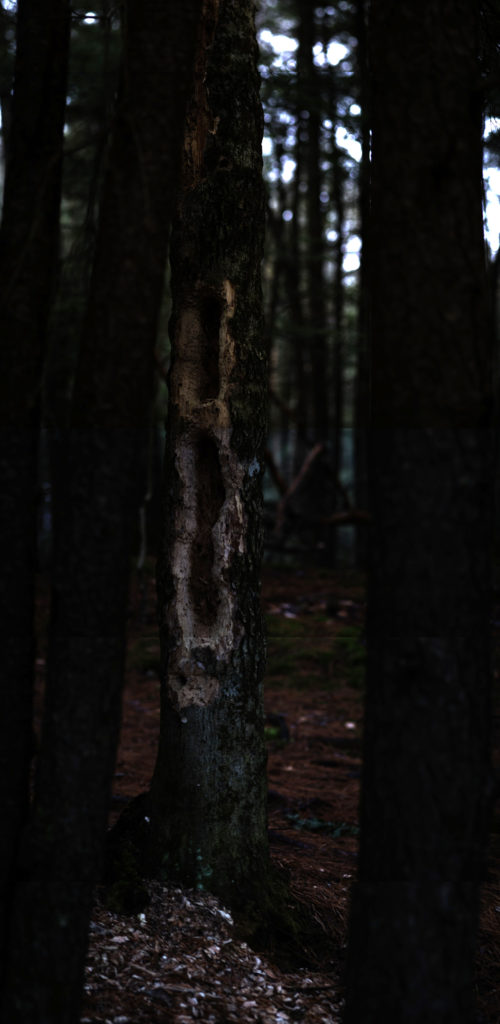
(181, 959)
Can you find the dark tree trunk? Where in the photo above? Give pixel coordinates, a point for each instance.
(310, 99)
(75, 273)
(209, 788)
(278, 352)
(338, 312)
(63, 845)
(361, 394)
(28, 242)
(297, 320)
(426, 782)
(6, 77)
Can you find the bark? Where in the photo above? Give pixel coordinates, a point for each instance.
(76, 266)
(361, 396)
(28, 242)
(426, 780)
(310, 97)
(209, 791)
(63, 845)
(297, 330)
(6, 78)
(338, 300)
(277, 350)
(293, 274)
(277, 353)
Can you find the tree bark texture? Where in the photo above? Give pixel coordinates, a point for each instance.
(63, 845)
(426, 781)
(28, 250)
(209, 791)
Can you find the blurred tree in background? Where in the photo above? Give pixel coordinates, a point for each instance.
(316, 169)
(312, 148)
(28, 258)
(101, 430)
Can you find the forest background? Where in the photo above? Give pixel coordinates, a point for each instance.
(314, 75)
(315, 168)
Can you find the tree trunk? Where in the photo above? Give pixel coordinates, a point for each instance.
(209, 788)
(28, 242)
(362, 384)
(297, 321)
(338, 314)
(310, 98)
(7, 20)
(63, 846)
(426, 780)
(76, 267)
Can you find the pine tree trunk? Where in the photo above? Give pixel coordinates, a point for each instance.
(293, 266)
(28, 253)
(63, 847)
(426, 779)
(310, 97)
(362, 384)
(338, 313)
(209, 790)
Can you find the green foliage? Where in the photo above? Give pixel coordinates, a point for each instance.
(334, 829)
(350, 656)
(274, 735)
(300, 652)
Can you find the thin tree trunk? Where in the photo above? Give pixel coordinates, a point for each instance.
(297, 322)
(280, 361)
(294, 267)
(28, 243)
(361, 395)
(6, 78)
(310, 97)
(338, 306)
(73, 285)
(208, 815)
(64, 842)
(426, 777)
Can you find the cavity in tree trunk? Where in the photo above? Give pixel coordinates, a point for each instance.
(209, 789)
(426, 778)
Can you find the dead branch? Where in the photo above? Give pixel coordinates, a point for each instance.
(274, 472)
(350, 516)
(304, 470)
(282, 406)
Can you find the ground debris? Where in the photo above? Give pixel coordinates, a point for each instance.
(182, 956)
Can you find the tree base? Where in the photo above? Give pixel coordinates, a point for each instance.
(124, 865)
(274, 922)
(267, 916)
